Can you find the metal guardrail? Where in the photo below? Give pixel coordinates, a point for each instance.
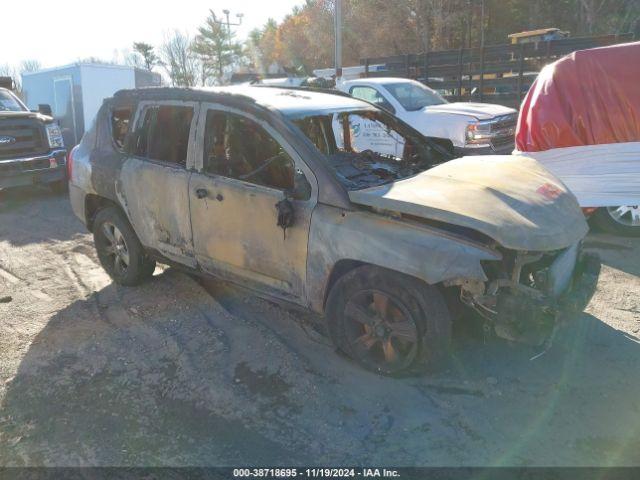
(466, 73)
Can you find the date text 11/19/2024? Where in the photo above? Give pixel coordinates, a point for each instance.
(315, 473)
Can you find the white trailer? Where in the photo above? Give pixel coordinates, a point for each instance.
(75, 92)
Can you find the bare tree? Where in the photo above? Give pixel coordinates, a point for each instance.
(28, 66)
(178, 59)
(7, 70)
(134, 59)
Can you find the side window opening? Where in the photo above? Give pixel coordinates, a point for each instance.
(237, 147)
(369, 147)
(120, 118)
(163, 134)
(371, 95)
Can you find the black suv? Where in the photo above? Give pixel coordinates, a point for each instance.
(31, 146)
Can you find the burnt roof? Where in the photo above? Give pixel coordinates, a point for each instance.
(291, 102)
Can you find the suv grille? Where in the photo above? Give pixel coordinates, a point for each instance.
(29, 138)
(504, 129)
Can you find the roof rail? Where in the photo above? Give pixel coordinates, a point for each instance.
(330, 91)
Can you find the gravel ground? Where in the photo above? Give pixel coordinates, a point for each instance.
(171, 373)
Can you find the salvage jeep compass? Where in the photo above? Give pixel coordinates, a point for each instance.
(333, 204)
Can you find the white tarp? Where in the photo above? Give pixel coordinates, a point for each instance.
(598, 175)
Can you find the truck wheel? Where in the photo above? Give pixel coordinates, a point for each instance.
(119, 250)
(623, 220)
(388, 322)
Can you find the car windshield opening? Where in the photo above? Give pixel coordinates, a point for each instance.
(9, 103)
(367, 148)
(414, 97)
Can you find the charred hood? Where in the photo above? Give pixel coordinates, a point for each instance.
(510, 198)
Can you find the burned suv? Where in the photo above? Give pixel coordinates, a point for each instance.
(333, 204)
(31, 146)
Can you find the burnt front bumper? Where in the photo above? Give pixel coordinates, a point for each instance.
(529, 319)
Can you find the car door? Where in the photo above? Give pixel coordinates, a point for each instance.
(245, 171)
(155, 178)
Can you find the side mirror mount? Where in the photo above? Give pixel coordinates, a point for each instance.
(45, 109)
(301, 187)
(301, 191)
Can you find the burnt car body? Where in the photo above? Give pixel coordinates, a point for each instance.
(31, 146)
(335, 205)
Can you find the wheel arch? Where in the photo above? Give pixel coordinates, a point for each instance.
(344, 266)
(340, 268)
(93, 204)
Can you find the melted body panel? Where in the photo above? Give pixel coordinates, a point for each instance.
(428, 254)
(512, 199)
(156, 200)
(236, 233)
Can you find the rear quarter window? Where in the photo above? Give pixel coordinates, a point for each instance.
(120, 120)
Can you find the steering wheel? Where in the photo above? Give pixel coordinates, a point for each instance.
(266, 163)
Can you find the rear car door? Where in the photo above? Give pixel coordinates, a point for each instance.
(244, 169)
(155, 177)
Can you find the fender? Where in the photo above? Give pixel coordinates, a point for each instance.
(424, 252)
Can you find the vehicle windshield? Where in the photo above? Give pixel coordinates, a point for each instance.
(413, 96)
(9, 103)
(367, 148)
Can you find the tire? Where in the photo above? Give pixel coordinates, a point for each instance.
(413, 321)
(120, 252)
(60, 186)
(605, 219)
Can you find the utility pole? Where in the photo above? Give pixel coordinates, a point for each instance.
(338, 35)
(228, 23)
(482, 24)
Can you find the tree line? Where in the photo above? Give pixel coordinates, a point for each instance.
(304, 39)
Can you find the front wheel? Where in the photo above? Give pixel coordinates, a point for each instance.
(388, 322)
(622, 220)
(119, 250)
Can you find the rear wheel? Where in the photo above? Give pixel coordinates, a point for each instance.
(388, 322)
(622, 220)
(119, 249)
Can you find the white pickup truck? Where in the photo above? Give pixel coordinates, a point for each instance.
(473, 128)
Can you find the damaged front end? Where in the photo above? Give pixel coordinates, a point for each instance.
(529, 294)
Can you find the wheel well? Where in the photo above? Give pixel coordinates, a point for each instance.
(342, 267)
(339, 269)
(92, 205)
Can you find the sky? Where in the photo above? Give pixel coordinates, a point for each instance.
(59, 32)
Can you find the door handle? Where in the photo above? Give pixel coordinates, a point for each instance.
(201, 193)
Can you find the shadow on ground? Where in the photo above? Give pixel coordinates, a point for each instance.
(616, 251)
(18, 206)
(164, 374)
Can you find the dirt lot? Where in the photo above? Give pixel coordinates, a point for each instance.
(172, 374)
